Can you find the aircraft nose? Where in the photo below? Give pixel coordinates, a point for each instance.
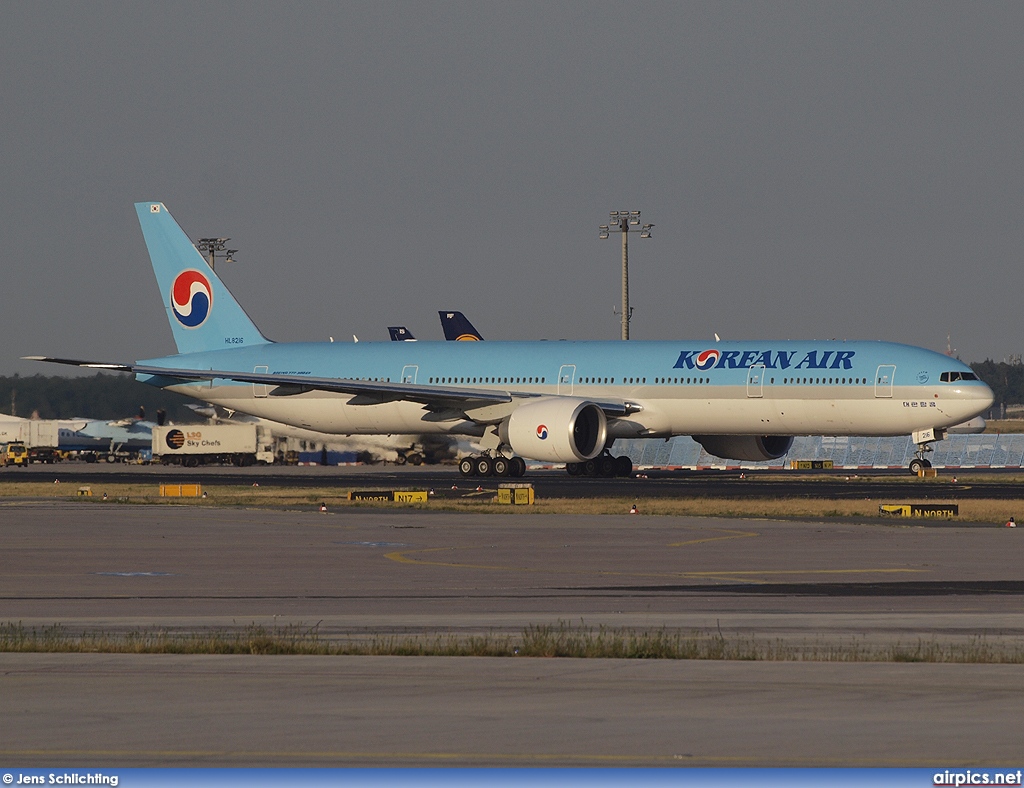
(985, 396)
(968, 401)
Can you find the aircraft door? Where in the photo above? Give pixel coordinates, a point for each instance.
(883, 380)
(409, 373)
(259, 390)
(566, 378)
(755, 380)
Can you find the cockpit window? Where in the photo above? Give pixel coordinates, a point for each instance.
(953, 377)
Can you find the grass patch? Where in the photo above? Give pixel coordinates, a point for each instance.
(547, 641)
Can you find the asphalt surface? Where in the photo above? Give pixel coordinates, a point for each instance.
(380, 573)
(557, 484)
(116, 711)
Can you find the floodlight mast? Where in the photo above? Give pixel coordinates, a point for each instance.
(212, 248)
(619, 222)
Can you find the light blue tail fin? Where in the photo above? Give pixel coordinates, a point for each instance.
(202, 312)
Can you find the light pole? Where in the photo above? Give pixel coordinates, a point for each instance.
(619, 222)
(212, 248)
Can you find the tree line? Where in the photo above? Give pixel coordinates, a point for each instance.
(1005, 378)
(106, 396)
(99, 396)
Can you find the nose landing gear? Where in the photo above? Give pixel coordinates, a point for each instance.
(924, 440)
(918, 464)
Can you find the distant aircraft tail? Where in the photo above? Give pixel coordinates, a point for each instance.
(400, 334)
(457, 327)
(202, 312)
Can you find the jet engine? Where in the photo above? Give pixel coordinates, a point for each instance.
(561, 429)
(752, 448)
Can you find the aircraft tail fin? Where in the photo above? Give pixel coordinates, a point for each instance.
(201, 310)
(400, 334)
(456, 326)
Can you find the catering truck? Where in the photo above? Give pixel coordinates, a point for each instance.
(193, 445)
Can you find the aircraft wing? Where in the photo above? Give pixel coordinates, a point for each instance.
(366, 392)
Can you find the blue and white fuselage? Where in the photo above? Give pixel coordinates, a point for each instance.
(767, 388)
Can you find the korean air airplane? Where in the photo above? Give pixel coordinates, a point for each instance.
(550, 401)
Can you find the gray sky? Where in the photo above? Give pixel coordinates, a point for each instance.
(814, 170)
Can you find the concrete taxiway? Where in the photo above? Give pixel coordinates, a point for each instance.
(111, 710)
(363, 573)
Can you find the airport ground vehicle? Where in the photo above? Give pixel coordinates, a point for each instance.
(45, 454)
(14, 453)
(193, 445)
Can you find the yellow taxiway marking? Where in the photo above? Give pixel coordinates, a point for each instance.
(744, 576)
(402, 556)
(728, 535)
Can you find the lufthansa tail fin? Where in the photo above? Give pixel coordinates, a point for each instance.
(457, 326)
(202, 312)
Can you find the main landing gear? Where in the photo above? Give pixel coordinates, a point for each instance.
(604, 465)
(485, 465)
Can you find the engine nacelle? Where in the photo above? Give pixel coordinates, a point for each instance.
(752, 448)
(561, 429)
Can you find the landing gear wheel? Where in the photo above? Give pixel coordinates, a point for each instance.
(588, 468)
(401, 459)
(483, 466)
(518, 467)
(501, 466)
(927, 463)
(467, 466)
(572, 468)
(415, 459)
(606, 466)
(623, 466)
(917, 465)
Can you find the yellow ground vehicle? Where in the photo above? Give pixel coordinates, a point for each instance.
(14, 454)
